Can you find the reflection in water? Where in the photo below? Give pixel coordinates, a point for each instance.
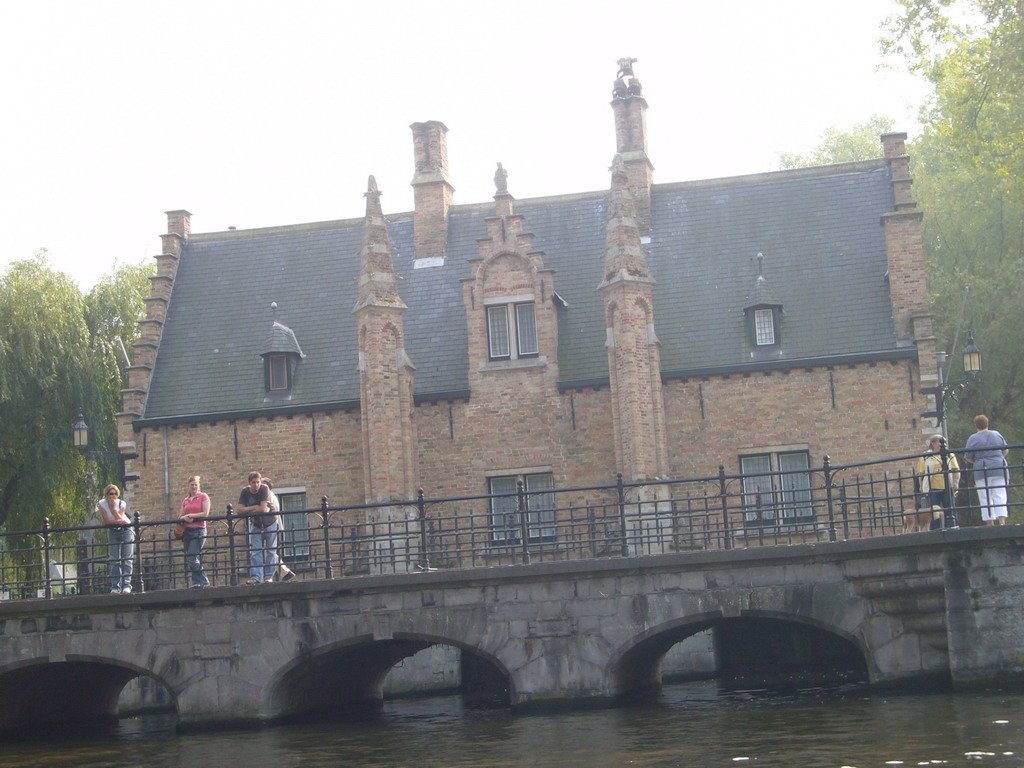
(692, 724)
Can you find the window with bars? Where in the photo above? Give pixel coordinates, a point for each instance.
(540, 507)
(511, 331)
(776, 488)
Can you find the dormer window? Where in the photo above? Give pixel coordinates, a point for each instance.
(511, 331)
(281, 356)
(763, 313)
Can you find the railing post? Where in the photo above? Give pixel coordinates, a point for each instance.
(140, 582)
(325, 527)
(726, 537)
(421, 514)
(231, 546)
(524, 529)
(844, 506)
(951, 521)
(621, 491)
(46, 558)
(826, 464)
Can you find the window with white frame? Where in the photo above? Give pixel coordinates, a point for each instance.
(539, 504)
(511, 331)
(764, 327)
(293, 545)
(776, 487)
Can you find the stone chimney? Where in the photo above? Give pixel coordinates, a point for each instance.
(630, 110)
(433, 192)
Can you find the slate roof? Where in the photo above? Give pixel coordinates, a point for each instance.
(819, 230)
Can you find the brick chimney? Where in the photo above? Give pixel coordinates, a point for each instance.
(630, 110)
(133, 396)
(903, 241)
(904, 246)
(433, 192)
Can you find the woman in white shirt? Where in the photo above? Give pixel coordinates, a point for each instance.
(120, 538)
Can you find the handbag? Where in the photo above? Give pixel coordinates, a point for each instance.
(178, 529)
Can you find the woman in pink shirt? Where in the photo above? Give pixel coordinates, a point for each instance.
(195, 508)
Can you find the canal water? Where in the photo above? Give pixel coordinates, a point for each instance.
(691, 724)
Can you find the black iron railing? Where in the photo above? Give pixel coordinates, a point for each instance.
(829, 502)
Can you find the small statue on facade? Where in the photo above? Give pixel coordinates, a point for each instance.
(501, 181)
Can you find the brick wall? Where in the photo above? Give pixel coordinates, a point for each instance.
(517, 419)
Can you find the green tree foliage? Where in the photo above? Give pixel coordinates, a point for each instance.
(57, 359)
(843, 145)
(969, 179)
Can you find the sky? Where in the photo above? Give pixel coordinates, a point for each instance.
(254, 113)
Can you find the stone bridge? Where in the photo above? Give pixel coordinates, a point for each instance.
(944, 606)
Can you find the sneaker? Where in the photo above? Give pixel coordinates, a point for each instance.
(126, 591)
(250, 582)
(288, 576)
(115, 591)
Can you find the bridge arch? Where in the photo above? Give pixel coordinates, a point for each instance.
(349, 675)
(789, 648)
(38, 693)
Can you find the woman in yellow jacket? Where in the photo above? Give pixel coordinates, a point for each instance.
(935, 495)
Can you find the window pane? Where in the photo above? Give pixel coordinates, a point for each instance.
(764, 326)
(526, 326)
(758, 499)
(504, 511)
(497, 331)
(278, 365)
(541, 517)
(295, 533)
(795, 488)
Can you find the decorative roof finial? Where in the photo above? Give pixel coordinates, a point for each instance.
(273, 309)
(501, 181)
(620, 90)
(760, 264)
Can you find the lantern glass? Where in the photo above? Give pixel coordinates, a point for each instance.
(80, 433)
(972, 356)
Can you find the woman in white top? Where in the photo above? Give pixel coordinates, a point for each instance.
(120, 538)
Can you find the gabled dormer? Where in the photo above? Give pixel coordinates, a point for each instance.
(281, 356)
(510, 299)
(763, 314)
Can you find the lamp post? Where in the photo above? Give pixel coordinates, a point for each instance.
(952, 390)
(80, 439)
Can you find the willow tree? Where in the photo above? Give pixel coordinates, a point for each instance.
(58, 358)
(969, 177)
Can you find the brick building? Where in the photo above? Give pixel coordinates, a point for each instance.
(658, 330)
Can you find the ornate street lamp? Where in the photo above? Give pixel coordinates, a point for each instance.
(952, 390)
(80, 439)
(972, 358)
(80, 433)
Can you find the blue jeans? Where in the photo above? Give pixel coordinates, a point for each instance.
(120, 550)
(263, 551)
(194, 539)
